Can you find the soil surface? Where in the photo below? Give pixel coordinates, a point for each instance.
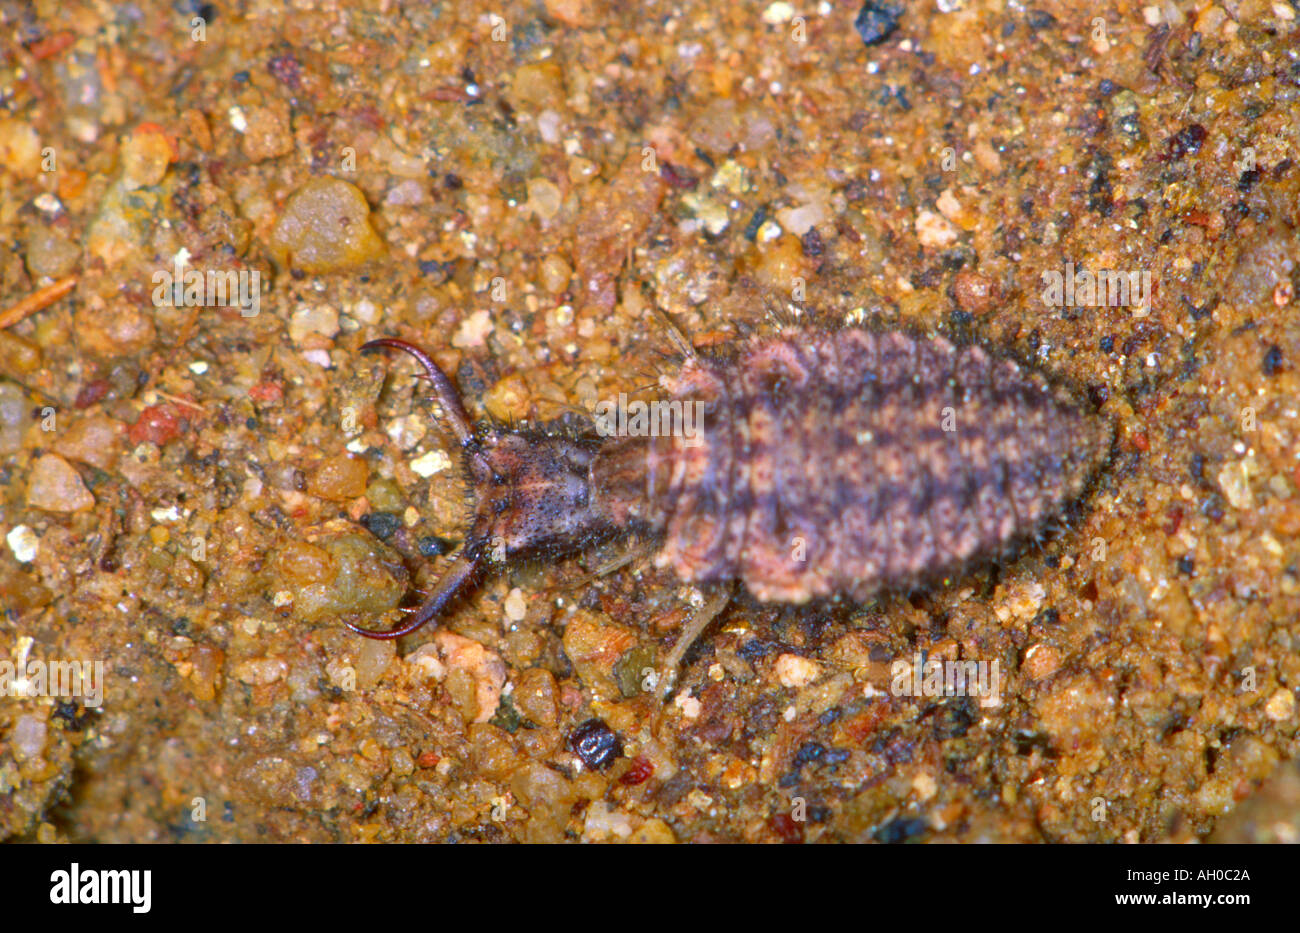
(198, 487)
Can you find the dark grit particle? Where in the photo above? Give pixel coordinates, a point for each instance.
(877, 21)
(383, 525)
(846, 462)
(596, 744)
(433, 546)
(1272, 360)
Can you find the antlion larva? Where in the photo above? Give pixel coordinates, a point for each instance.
(826, 463)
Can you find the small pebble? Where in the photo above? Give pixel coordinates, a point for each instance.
(340, 477)
(407, 193)
(383, 525)
(366, 311)
(555, 274)
(544, 198)
(509, 398)
(604, 821)
(781, 260)
(373, 658)
(19, 357)
(433, 546)
(689, 705)
(15, 414)
(1041, 660)
(23, 542)
(303, 563)
(535, 696)
(50, 252)
(260, 672)
(29, 737)
(596, 744)
(1281, 705)
(20, 148)
(877, 21)
(326, 228)
(407, 431)
(145, 155)
(476, 677)
(934, 231)
(320, 319)
(157, 424)
(266, 133)
(809, 753)
(575, 13)
(473, 330)
(515, 606)
(1234, 480)
(799, 220)
(96, 440)
(56, 487)
(777, 13)
(435, 461)
(795, 671)
(975, 292)
(1187, 141)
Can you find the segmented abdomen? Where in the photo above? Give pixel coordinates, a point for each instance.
(850, 461)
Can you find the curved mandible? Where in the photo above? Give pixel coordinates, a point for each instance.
(448, 588)
(445, 392)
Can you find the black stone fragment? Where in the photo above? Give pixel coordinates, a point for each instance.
(1187, 141)
(898, 831)
(877, 21)
(383, 525)
(433, 546)
(596, 744)
(808, 753)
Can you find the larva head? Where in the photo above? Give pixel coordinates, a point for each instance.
(532, 495)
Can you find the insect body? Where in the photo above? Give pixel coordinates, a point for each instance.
(826, 463)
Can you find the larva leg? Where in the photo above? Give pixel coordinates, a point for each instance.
(690, 634)
(624, 557)
(621, 559)
(683, 345)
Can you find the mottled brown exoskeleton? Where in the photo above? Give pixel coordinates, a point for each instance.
(827, 463)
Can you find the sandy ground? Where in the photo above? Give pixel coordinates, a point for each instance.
(195, 493)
